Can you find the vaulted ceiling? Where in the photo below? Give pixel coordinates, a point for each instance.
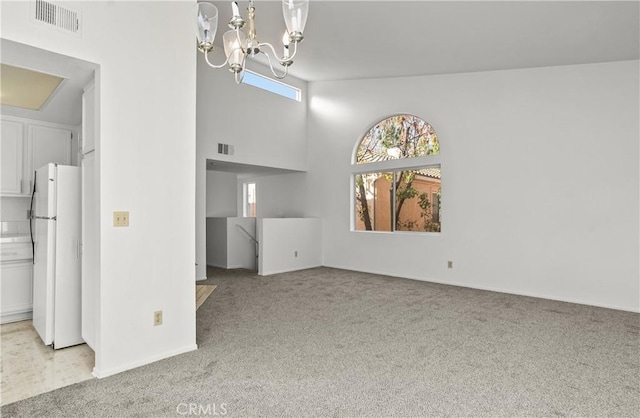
(370, 39)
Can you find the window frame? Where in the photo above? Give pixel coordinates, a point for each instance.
(245, 199)
(394, 165)
(272, 85)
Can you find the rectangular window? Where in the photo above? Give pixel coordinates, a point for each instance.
(249, 200)
(269, 84)
(402, 200)
(373, 202)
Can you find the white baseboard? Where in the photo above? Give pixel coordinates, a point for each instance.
(492, 289)
(238, 266)
(16, 316)
(115, 370)
(290, 270)
(220, 266)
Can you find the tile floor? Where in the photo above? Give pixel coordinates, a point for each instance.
(30, 368)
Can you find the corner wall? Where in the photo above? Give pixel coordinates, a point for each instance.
(540, 188)
(288, 244)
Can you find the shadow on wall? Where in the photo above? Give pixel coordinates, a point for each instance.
(231, 243)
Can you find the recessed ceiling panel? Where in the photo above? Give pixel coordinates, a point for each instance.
(24, 88)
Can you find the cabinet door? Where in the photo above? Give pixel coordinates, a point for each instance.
(12, 151)
(17, 290)
(49, 145)
(88, 119)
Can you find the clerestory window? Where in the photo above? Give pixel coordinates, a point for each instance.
(274, 86)
(397, 177)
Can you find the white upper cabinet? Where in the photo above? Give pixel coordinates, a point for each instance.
(28, 145)
(49, 145)
(89, 119)
(12, 157)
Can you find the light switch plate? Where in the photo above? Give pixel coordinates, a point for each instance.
(157, 318)
(121, 218)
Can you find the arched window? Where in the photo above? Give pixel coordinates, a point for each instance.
(397, 177)
(399, 136)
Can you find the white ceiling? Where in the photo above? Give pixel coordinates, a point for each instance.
(370, 39)
(245, 170)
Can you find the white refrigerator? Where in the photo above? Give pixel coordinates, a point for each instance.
(57, 315)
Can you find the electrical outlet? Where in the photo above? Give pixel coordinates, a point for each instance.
(120, 218)
(449, 264)
(157, 318)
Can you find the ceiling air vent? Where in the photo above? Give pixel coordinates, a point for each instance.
(57, 16)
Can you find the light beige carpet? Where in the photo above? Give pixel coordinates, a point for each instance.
(336, 343)
(203, 291)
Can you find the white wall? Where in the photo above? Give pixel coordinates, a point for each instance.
(221, 194)
(282, 195)
(540, 179)
(147, 126)
(265, 129)
(241, 250)
(227, 246)
(289, 244)
(217, 242)
(278, 196)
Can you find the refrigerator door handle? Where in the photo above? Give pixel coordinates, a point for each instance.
(78, 250)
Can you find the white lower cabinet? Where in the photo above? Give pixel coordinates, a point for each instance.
(16, 291)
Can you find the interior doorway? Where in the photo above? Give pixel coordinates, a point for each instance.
(71, 108)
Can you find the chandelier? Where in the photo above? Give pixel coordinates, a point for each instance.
(238, 45)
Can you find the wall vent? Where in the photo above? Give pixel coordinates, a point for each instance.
(57, 16)
(225, 149)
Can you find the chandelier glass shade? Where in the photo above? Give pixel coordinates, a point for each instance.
(239, 45)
